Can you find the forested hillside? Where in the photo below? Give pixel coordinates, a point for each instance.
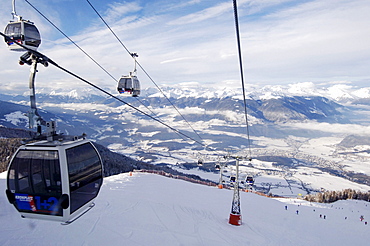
(7, 148)
(333, 196)
(114, 163)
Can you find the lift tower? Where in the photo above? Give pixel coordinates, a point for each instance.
(235, 215)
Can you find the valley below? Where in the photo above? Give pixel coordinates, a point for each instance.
(297, 144)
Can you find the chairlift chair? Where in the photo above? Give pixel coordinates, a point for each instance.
(56, 180)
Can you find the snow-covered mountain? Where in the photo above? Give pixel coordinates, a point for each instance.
(298, 132)
(147, 209)
(339, 91)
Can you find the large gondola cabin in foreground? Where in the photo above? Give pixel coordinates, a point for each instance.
(54, 180)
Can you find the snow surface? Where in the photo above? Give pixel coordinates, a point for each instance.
(147, 209)
(17, 118)
(336, 90)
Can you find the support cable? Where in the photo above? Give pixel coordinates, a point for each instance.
(48, 60)
(242, 74)
(142, 68)
(65, 35)
(83, 51)
(131, 54)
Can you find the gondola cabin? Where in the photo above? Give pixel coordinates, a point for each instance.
(54, 180)
(23, 32)
(129, 84)
(250, 180)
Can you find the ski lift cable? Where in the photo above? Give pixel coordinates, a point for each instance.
(131, 54)
(48, 60)
(142, 68)
(83, 51)
(122, 101)
(242, 74)
(65, 35)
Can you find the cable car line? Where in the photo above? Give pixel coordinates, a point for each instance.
(184, 135)
(119, 99)
(57, 179)
(131, 54)
(54, 179)
(237, 28)
(242, 74)
(65, 35)
(83, 51)
(40, 55)
(142, 68)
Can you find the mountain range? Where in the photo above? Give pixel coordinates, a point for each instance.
(296, 132)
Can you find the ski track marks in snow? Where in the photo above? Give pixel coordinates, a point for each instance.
(147, 209)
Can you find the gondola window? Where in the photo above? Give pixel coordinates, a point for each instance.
(85, 174)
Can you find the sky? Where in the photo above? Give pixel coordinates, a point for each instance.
(194, 42)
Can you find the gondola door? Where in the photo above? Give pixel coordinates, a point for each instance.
(35, 185)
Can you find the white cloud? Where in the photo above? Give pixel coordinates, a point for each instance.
(204, 14)
(117, 11)
(339, 129)
(283, 42)
(178, 59)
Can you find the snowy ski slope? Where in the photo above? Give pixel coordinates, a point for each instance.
(148, 209)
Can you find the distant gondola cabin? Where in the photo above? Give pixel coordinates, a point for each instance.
(129, 84)
(54, 180)
(250, 180)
